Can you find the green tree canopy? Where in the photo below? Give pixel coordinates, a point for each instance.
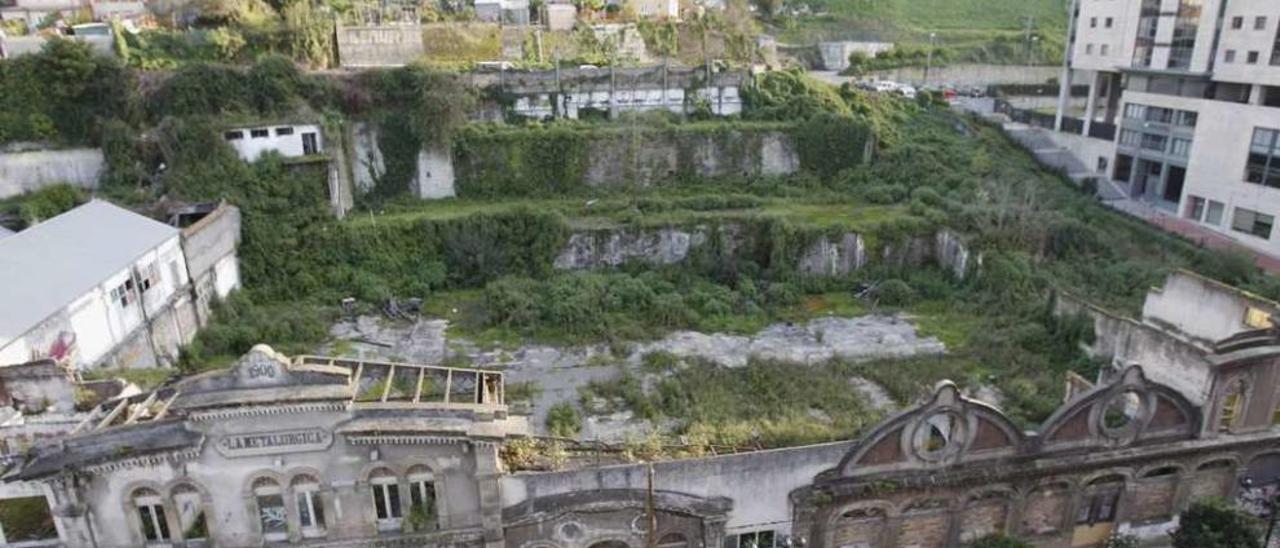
(1215, 524)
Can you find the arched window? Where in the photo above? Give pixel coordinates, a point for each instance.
(271, 512)
(191, 514)
(306, 490)
(673, 540)
(151, 513)
(385, 488)
(423, 513)
(610, 544)
(1232, 404)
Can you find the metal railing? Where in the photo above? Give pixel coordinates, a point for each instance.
(1070, 124)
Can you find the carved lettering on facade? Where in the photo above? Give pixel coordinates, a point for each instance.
(268, 443)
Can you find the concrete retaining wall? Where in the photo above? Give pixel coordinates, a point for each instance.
(30, 170)
(971, 75)
(379, 46)
(824, 257)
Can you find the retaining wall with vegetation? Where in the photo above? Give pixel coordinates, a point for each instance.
(28, 170)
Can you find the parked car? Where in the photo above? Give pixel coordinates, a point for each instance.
(885, 86)
(907, 91)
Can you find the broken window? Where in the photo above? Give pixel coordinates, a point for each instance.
(306, 490)
(259, 133)
(284, 131)
(190, 507)
(1252, 222)
(148, 276)
(123, 293)
(385, 488)
(422, 498)
(271, 512)
(1232, 402)
(27, 519)
(151, 513)
(754, 539)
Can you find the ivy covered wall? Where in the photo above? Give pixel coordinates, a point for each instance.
(564, 158)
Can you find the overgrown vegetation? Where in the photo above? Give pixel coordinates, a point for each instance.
(1215, 523)
(492, 256)
(982, 31)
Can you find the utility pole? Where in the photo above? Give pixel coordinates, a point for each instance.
(559, 106)
(928, 59)
(1031, 21)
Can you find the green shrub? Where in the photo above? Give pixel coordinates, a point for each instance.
(894, 292)
(884, 194)
(1214, 523)
(997, 540)
(563, 420)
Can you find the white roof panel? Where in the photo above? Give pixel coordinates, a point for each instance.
(46, 267)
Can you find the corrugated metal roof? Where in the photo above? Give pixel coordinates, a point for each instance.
(45, 267)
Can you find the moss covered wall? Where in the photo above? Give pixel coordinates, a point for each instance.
(548, 160)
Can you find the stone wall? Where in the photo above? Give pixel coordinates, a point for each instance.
(618, 158)
(379, 46)
(27, 170)
(1168, 360)
(1202, 309)
(971, 74)
(210, 247)
(569, 92)
(759, 503)
(433, 178)
(825, 256)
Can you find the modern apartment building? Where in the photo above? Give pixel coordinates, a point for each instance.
(1193, 88)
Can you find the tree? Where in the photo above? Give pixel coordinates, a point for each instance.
(1215, 524)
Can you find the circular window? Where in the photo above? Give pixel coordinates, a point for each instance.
(938, 436)
(570, 530)
(1122, 412)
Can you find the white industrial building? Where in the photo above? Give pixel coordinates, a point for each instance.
(1192, 87)
(103, 286)
(291, 141)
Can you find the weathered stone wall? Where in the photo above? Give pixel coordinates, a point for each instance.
(971, 74)
(379, 46)
(210, 247)
(28, 170)
(826, 256)
(619, 158)
(760, 503)
(1202, 309)
(1168, 360)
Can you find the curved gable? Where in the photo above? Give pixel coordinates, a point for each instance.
(1132, 410)
(944, 430)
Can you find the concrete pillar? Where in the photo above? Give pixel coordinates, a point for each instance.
(1091, 103)
(1113, 97)
(70, 514)
(1256, 95)
(1064, 81)
(488, 475)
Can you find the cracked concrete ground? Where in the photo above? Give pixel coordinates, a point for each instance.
(560, 371)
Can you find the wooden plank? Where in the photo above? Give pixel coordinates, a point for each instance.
(386, 386)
